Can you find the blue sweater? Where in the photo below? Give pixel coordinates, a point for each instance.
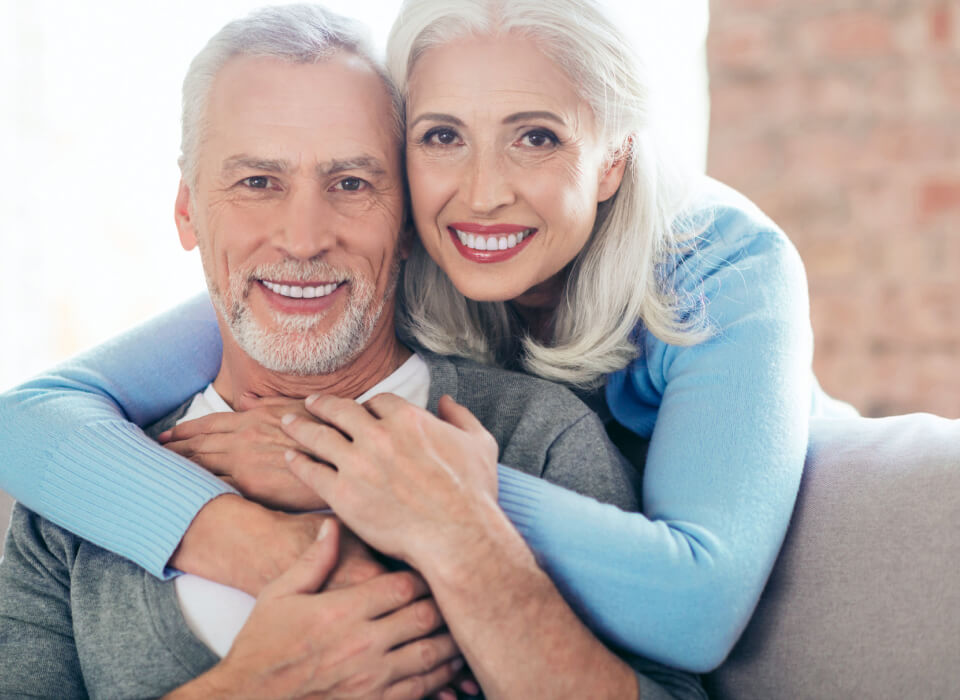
(727, 421)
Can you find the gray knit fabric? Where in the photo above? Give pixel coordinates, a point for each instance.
(76, 620)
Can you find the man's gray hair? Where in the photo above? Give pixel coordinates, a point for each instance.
(295, 33)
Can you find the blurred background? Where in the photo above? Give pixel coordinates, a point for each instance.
(841, 119)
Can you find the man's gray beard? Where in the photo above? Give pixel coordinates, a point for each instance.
(296, 347)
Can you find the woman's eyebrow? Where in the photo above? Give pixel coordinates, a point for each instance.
(525, 116)
(437, 117)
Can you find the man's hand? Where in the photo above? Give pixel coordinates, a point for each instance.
(241, 544)
(366, 641)
(246, 449)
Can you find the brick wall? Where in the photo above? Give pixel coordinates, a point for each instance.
(842, 120)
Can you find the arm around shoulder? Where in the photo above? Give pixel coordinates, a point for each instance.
(68, 442)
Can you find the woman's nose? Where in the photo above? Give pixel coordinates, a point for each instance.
(488, 186)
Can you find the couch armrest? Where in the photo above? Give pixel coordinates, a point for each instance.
(864, 600)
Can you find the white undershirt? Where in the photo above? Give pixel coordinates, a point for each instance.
(214, 612)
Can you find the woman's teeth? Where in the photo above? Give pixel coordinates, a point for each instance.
(477, 242)
(297, 292)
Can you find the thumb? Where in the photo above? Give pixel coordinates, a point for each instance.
(458, 416)
(312, 567)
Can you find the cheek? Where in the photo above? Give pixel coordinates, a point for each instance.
(569, 207)
(430, 188)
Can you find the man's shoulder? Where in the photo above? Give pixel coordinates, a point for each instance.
(499, 391)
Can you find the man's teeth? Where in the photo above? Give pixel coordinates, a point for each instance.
(477, 242)
(297, 292)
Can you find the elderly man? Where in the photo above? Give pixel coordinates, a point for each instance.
(293, 192)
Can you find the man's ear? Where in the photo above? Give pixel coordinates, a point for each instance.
(183, 214)
(612, 175)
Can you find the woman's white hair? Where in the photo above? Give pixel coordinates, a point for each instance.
(294, 33)
(622, 276)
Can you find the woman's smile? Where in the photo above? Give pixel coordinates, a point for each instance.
(485, 243)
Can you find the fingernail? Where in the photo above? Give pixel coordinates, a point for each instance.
(165, 435)
(289, 455)
(470, 688)
(456, 664)
(324, 529)
(288, 419)
(447, 695)
(310, 399)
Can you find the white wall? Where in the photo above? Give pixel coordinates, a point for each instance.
(89, 135)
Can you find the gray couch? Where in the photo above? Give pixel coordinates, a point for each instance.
(864, 601)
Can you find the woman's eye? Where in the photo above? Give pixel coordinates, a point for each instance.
(538, 139)
(440, 136)
(257, 182)
(350, 184)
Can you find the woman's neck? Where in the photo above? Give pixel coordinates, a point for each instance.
(537, 307)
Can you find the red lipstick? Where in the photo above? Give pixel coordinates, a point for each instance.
(499, 230)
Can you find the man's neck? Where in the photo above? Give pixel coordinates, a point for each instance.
(240, 374)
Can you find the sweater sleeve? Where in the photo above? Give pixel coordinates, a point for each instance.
(71, 455)
(38, 652)
(728, 424)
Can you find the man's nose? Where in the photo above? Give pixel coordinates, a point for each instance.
(487, 184)
(307, 226)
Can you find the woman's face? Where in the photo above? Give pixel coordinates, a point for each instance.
(505, 165)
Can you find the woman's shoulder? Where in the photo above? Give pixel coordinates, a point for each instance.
(721, 231)
(720, 217)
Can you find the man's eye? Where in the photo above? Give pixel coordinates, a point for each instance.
(257, 182)
(440, 136)
(350, 184)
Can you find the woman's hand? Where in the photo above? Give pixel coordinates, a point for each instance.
(407, 482)
(246, 449)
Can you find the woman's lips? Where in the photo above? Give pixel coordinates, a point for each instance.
(488, 244)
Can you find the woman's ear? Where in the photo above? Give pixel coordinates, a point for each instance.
(615, 166)
(183, 215)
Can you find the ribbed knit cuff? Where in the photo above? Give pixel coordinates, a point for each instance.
(520, 497)
(109, 484)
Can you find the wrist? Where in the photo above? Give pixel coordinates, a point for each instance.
(475, 552)
(210, 685)
(242, 544)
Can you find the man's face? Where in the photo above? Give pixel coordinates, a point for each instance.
(298, 209)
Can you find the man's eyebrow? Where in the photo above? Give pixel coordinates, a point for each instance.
(526, 116)
(245, 162)
(437, 117)
(368, 163)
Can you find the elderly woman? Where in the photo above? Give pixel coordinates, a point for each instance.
(554, 239)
